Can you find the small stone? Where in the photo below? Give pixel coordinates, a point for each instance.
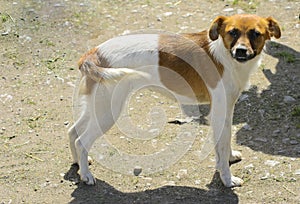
(297, 172)
(197, 182)
(250, 166)
(66, 123)
(240, 11)
(265, 176)
(271, 163)
(182, 173)
(243, 97)
(166, 14)
(276, 131)
(261, 139)
(187, 15)
(228, 9)
(288, 99)
(137, 170)
(294, 142)
(285, 140)
(247, 127)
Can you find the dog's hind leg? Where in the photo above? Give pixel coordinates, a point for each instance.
(103, 109)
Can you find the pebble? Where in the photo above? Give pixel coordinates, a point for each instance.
(276, 131)
(247, 127)
(228, 9)
(288, 99)
(285, 140)
(294, 142)
(243, 97)
(265, 176)
(187, 15)
(271, 163)
(197, 182)
(137, 170)
(166, 14)
(182, 173)
(250, 166)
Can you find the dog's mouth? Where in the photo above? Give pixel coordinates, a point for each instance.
(241, 55)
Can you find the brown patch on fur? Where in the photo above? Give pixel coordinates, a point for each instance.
(90, 56)
(183, 59)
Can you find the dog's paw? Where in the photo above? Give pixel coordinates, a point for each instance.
(236, 181)
(88, 178)
(231, 181)
(235, 157)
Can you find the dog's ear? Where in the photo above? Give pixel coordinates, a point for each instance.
(215, 27)
(273, 28)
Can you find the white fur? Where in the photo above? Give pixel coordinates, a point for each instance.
(131, 51)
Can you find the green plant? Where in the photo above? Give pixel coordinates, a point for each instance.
(288, 57)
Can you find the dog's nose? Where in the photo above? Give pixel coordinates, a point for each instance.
(241, 53)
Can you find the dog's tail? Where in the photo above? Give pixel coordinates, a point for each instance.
(108, 75)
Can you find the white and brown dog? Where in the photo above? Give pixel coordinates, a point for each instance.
(214, 65)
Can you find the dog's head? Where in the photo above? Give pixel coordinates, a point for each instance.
(244, 35)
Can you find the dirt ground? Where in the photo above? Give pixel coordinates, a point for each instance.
(40, 44)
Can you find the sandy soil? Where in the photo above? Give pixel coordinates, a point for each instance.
(41, 42)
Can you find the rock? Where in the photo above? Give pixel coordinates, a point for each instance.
(285, 140)
(247, 127)
(197, 182)
(250, 166)
(187, 15)
(294, 142)
(228, 9)
(182, 173)
(288, 99)
(243, 97)
(137, 170)
(265, 176)
(271, 163)
(276, 131)
(261, 139)
(166, 14)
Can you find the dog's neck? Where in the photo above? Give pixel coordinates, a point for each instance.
(239, 72)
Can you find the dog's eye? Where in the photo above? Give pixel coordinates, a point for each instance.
(254, 34)
(233, 33)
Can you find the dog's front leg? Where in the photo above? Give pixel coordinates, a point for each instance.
(221, 121)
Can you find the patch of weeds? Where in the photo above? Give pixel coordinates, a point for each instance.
(262, 67)
(288, 57)
(247, 5)
(4, 17)
(274, 44)
(296, 112)
(36, 121)
(51, 63)
(12, 55)
(47, 42)
(32, 122)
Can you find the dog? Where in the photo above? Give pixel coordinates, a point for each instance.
(212, 66)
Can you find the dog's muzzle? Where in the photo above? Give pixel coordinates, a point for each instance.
(242, 54)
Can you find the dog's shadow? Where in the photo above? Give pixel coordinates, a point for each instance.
(102, 192)
(273, 117)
